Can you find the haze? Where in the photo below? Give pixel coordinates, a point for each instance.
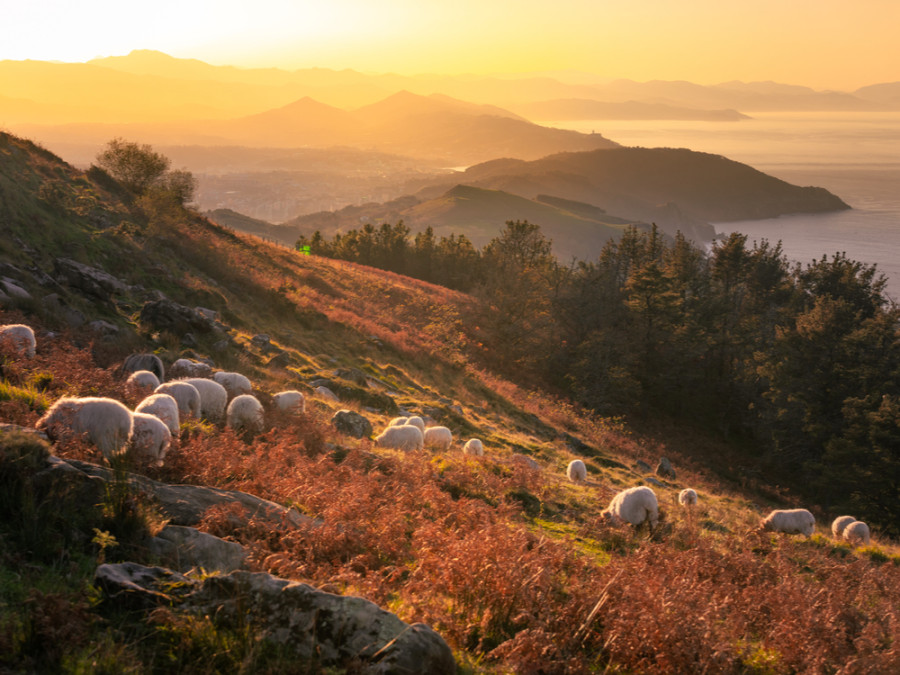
(828, 44)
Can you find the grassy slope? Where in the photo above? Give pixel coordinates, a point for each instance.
(505, 562)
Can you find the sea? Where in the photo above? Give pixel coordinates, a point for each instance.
(854, 155)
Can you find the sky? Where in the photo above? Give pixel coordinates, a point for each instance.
(825, 44)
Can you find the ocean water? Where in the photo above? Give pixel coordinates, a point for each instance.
(854, 155)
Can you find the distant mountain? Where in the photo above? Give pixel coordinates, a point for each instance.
(578, 230)
(886, 94)
(584, 109)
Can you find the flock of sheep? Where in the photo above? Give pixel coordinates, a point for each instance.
(196, 391)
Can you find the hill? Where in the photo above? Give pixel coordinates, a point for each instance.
(587, 109)
(577, 230)
(514, 566)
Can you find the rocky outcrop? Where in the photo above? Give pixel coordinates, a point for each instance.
(169, 316)
(186, 548)
(87, 280)
(320, 628)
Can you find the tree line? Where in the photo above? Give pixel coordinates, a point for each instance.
(802, 359)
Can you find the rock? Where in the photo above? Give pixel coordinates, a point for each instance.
(352, 375)
(184, 548)
(58, 307)
(581, 448)
(352, 424)
(103, 328)
(329, 630)
(652, 481)
(642, 467)
(88, 280)
(189, 340)
(260, 340)
(458, 409)
(326, 393)
(222, 345)
(186, 504)
(664, 469)
(14, 290)
(281, 360)
(165, 315)
(208, 314)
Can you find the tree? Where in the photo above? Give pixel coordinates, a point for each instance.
(137, 167)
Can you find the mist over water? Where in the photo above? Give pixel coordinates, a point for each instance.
(854, 155)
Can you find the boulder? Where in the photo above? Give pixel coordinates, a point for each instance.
(12, 289)
(353, 375)
(185, 548)
(86, 279)
(260, 340)
(103, 328)
(169, 316)
(642, 467)
(332, 631)
(352, 424)
(664, 469)
(281, 360)
(326, 393)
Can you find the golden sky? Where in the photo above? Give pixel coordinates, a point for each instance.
(825, 44)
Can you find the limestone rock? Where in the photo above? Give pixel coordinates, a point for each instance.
(326, 393)
(11, 288)
(184, 548)
(351, 423)
(642, 466)
(86, 279)
(169, 316)
(664, 469)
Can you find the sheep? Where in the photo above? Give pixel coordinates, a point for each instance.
(213, 398)
(841, 522)
(18, 338)
(151, 438)
(140, 384)
(289, 401)
(635, 506)
(245, 413)
(107, 423)
(404, 437)
(188, 368)
(687, 497)
(415, 421)
(789, 521)
(576, 471)
(397, 422)
(151, 362)
(165, 407)
(235, 383)
(186, 396)
(857, 533)
(437, 438)
(475, 447)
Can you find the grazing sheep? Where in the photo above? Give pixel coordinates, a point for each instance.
(19, 338)
(150, 362)
(188, 368)
(186, 396)
(165, 407)
(213, 398)
(635, 505)
(140, 384)
(405, 437)
(235, 383)
(415, 421)
(245, 413)
(837, 527)
(437, 438)
(289, 401)
(688, 497)
(151, 438)
(397, 422)
(576, 471)
(857, 533)
(475, 447)
(789, 521)
(107, 423)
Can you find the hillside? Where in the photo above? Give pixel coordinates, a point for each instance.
(587, 109)
(514, 566)
(577, 230)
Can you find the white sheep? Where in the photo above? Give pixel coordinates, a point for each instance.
(107, 423)
(857, 533)
(789, 521)
(151, 362)
(186, 396)
(475, 447)
(841, 522)
(165, 407)
(437, 438)
(213, 398)
(635, 506)
(576, 471)
(188, 368)
(151, 438)
(140, 384)
(235, 383)
(18, 338)
(414, 420)
(688, 497)
(245, 413)
(397, 422)
(404, 437)
(289, 401)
